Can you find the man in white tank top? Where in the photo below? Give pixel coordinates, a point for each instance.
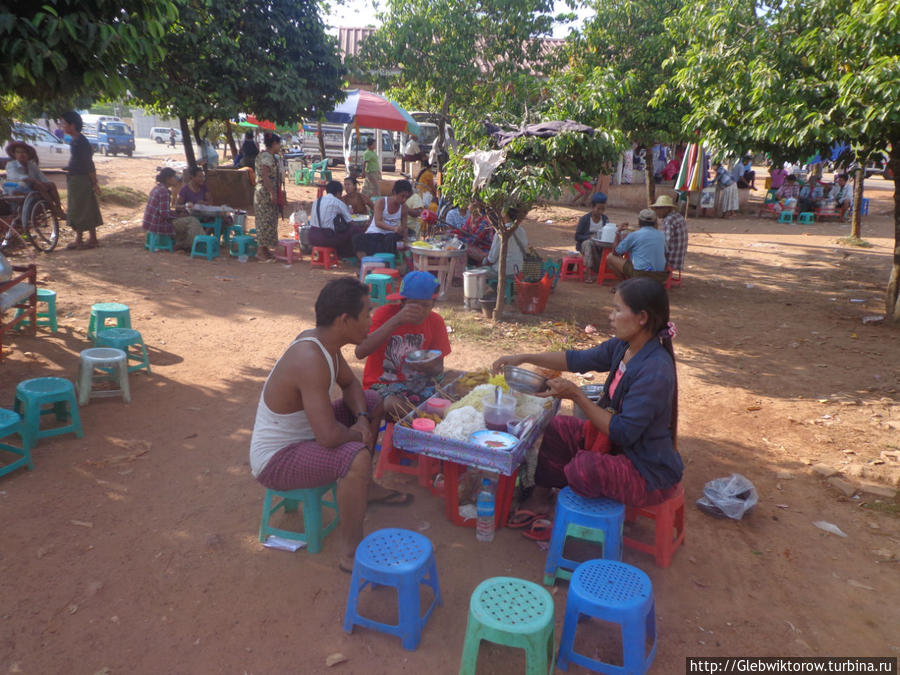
(301, 438)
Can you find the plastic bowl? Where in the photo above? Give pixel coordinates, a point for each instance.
(423, 355)
(437, 405)
(524, 380)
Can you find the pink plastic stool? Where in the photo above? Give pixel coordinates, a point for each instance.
(324, 257)
(288, 250)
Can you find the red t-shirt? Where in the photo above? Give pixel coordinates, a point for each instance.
(386, 362)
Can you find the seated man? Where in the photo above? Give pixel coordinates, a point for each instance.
(301, 439)
(674, 228)
(589, 224)
(358, 203)
(23, 169)
(811, 195)
(841, 194)
(786, 195)
(398, 330)
(743, 173)
(647, 250)
(330, 222)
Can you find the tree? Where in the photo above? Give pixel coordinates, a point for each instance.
(534, 169)
(53, 52)
(800, 75)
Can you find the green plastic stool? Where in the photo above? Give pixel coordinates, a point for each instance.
(313, 500)
(806, 218)
(786, 217)
(515, 613)
(242, 244)
(33, 395)
(205, 246)
(47, 318)
(124, 339)
(379, 287)
(390, 260)
(11, 423)
(102, 311)
(158, 242)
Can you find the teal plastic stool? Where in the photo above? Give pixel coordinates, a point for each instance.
(242, 244)
(48, 318)
(215, 225)
(515, 613)
(379, 287)
(124, 339)
(807, 218)
(390, 260)
(205, 246)
(11, 423)
(864, 206)
(102, 311)
(56, 392)
(509, 289)
(159, 242)
(786, 217)
(313, 500)
(230, 232)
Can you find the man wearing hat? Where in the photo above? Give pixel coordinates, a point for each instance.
(23, 169)
(398, 330)
(591, 222)
(646, 248)
(674, 228)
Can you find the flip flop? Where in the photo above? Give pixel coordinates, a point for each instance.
(523, 518)
(540, 530)
(394, 498)
(74, 246)
(343, 568)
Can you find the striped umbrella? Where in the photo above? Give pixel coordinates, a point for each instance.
(366, 109)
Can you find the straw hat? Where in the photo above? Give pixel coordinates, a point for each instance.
(663, 201)
(12, 146)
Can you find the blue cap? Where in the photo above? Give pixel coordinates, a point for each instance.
(419, 286)
(598, 198)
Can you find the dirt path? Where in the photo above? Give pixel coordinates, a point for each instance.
(134, 549)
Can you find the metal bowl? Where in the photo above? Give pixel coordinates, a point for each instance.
(593, 391)
(523, 380)
(423, 355)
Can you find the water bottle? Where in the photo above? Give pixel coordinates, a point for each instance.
(484, 529)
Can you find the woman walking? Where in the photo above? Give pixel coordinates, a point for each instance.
(265, 202)
(81, 184)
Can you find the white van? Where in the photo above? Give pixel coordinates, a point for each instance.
(355, 146)
(161, 134)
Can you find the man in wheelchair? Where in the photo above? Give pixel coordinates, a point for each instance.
(23, 169)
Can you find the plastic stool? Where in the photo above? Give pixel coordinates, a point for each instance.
(389, 259)
(369, 264)
(242, 245)
(205, 246)
(11, 423)
(509, 289)
(33, 395)
(324, 257)
(215, 225)
(603, 273)
(159, 242)
(553, 269)
(611, 591)
(230, 232)
(511, 612)
(396, 280)
(864, 206)
(313, 500)
(404, 560)
(786, 217)
(378, 288)
(596, 520)
(112, 365)
(288, 250)
(397, 460)
(806, 218)
(48, 318)
(239, 218)
(102, 311)
(124, 338)
(572, 267)
(669, 527)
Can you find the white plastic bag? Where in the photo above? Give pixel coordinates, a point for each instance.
(732, 497)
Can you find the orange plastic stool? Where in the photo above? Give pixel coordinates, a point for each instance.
(288, 250)
(604, 274)
(392, 273)
(399, 461)
(572, 267)
(669, 531)
(324, 257)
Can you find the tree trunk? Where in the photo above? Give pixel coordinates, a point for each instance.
(893, 291)
(229, 138)
(651, 184)
(505, 235)
(442, 127)
(186, 141)
(322, 140)
(857, 202)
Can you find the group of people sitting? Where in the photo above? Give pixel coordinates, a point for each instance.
(172, 217)
(790, 196)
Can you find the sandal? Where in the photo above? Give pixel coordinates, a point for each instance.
(540, 530)
(523, 518)
(393, 498)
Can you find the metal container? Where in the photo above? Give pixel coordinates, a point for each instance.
(523, 380)
(593, 392)
(474, 286)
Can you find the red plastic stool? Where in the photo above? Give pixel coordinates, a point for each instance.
(674, 280)
(604, 274)
(399, 461)
(572, 267)
(502, 499)
(288, 250)
(392, 273)
(669, 531)
(324, 257)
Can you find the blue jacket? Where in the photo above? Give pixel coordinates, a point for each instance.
(642, 404)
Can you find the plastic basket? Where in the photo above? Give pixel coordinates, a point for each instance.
(532, 297)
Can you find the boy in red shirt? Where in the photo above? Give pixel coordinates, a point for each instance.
(398, 330)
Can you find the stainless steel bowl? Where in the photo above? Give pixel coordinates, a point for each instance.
(423, 355)
(593, 391)
(523, 380)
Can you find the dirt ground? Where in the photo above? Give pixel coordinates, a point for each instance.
(134, 549)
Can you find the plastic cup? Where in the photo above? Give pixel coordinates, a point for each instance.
(497, 415)
(437, 405)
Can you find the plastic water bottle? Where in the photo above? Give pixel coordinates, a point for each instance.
(484, 529)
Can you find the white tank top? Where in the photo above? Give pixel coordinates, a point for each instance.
(392, 219)
(273, 431)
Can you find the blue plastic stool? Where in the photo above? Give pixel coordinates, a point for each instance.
(401, 559)
(509, 290)
(242, 244)
(48, 318)
(33, 395)
(102, 311)
(786, 217)
(596, 520)
(864, 206)
(389, 259)
(379, 287)
(11, 423)
(806, 218)
(124, 338)
(615, 592)
(313, 500)
(159, 242)
(205, 246)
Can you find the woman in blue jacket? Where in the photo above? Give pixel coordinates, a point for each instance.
(627, 452)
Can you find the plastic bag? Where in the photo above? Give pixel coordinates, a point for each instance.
(732, 497)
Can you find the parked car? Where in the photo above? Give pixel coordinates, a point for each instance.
(161, 134)
(52, 152)
(334, 142)
(114, 137)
